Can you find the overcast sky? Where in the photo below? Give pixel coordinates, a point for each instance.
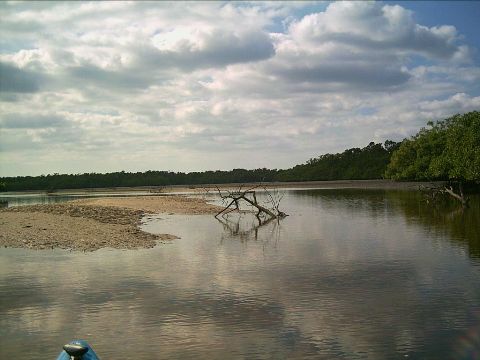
(100, 87)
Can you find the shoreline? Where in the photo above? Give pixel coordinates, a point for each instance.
(169, 189)
(92, 224)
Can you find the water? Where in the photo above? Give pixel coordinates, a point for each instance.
(348, 275)
(10, 199)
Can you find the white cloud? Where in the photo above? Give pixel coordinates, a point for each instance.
(455, 104)
(371, 26)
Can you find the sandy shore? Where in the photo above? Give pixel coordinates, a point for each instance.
(91, 224)
(155, 204)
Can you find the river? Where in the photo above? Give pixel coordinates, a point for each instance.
(349, 274)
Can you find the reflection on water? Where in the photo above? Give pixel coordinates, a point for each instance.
(247, 227)
(348, 275)
(8, 200)
(445, 217)
(32, 199)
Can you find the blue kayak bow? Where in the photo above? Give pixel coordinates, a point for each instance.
(77, 350)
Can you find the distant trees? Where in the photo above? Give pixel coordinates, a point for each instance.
(446, 150)
(369, 162)
(132, 179)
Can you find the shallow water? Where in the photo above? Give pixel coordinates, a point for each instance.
(19, 199)
(348, 275)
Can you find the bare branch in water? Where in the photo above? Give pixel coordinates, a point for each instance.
(249, 197)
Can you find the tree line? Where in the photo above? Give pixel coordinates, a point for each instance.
(445, 150)
(365, 163)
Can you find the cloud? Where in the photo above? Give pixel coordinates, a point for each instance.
(359, 44)
(31, 121)
(363, 75)
(271, 84)
(189, 49)
(373, 26)
(455, 104)
(108, 79)
(15, 80)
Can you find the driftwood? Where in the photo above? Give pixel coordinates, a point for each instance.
(460, 196)
(233, 200)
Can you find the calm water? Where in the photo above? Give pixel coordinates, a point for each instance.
(348, 275)
(9, 199)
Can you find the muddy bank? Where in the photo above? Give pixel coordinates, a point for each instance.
(91, 224)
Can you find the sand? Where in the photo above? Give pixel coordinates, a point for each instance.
(92, 224)
(155, 204)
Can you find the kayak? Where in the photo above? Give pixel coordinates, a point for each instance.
(77, 350)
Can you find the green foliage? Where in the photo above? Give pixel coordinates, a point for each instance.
(462, 152)
(367, 163)
(128, 179)
(447, 150)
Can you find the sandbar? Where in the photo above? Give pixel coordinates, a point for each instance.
(92, 224)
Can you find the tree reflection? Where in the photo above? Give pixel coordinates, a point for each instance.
(442, 217)
(245, 226)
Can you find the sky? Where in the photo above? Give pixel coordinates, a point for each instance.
(193, 86)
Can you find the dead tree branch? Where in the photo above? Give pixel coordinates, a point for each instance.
(460, 197)
(433, 193)
(232, 199)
